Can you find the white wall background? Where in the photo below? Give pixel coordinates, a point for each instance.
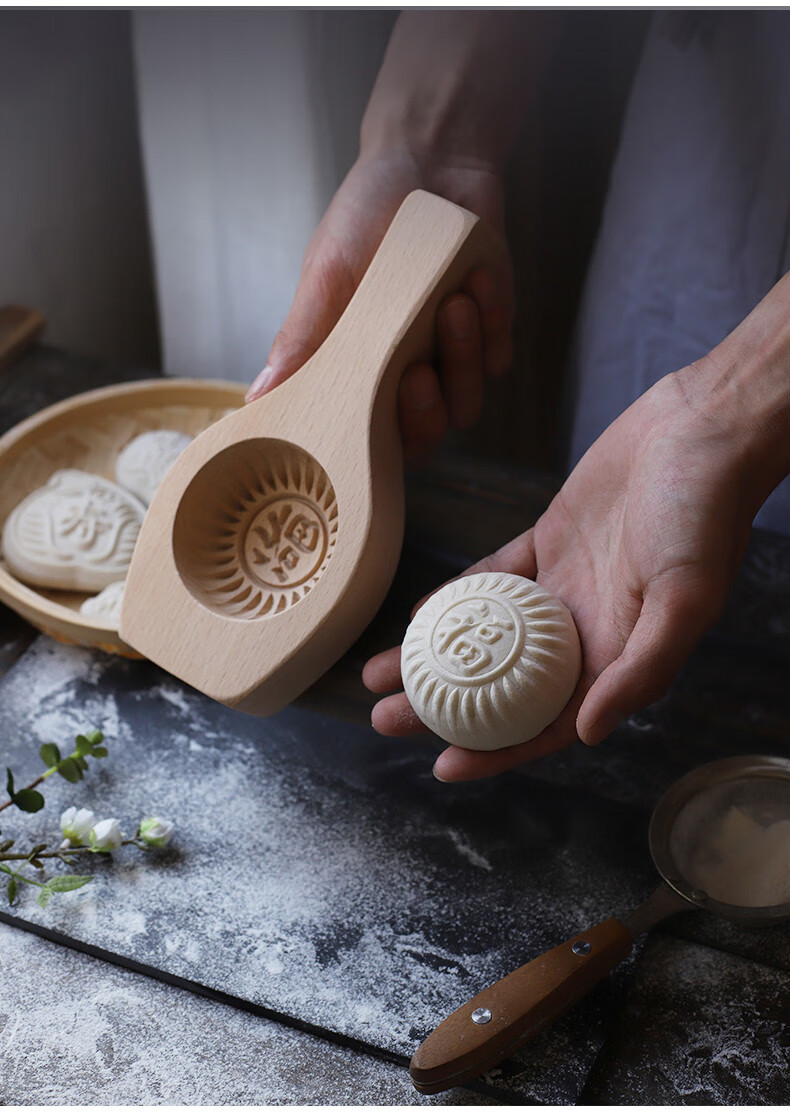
(249, 120)
(73, 232)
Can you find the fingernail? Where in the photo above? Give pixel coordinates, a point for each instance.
(421, 390)
(460, 317)
(438, 778)
(599, 730)
(259, 384)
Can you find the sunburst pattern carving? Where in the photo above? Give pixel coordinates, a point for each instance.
(490, 660)
(255, 535)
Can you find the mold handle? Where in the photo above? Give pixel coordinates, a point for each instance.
(425, 255)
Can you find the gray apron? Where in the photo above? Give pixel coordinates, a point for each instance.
(696, 227)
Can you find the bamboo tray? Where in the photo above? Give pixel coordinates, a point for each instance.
(87, 432)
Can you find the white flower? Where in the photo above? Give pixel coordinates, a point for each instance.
(155, 832)
(106, 836)
(76, 823)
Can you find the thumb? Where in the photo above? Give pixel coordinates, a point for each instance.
(325, 287)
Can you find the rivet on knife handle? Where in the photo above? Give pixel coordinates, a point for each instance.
(499, 1020)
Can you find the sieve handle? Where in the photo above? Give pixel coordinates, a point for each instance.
(520, 1006)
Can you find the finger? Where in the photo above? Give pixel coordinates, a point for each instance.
(394, 715)
(461, 359)
(664, 635)
(457, 764)
(495, 304)
(422, 412)
(382, 672)
(324, 290)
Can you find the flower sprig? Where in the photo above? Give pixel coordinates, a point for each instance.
(103, 837)
(82, 832)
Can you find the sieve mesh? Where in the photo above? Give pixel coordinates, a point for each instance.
(732, 840)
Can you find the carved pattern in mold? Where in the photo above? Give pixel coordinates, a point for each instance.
(266, 533)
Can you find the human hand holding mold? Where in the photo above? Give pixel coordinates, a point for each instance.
(442, 117)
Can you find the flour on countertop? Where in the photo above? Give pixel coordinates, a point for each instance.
(318, 870)
(119, 1038)
(463, 848)
(700, 1028)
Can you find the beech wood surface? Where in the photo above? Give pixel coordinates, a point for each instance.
(272, 541)
(87, 432)
(521, 1004)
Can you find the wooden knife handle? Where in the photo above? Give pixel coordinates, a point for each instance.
(516, 1008)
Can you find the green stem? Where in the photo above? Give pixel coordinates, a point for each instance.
(21, 878)
(6, 857)
(36, 781)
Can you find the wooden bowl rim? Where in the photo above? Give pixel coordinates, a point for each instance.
(23, 598)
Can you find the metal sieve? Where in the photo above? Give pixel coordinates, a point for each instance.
(719, 837)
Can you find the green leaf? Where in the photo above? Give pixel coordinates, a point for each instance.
(69, 769)
(28, 800)
(100, 752)
(44, 894)
(9, 783)
(38, 849)
(50, 755)
(94, 737)
(83, 746)
(11, 890)
(63, 882)
(6, 869)
(37, 863)
(6, 845)
(81, 762)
